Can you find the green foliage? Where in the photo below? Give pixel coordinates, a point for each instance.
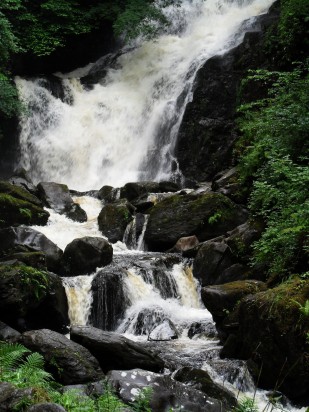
(246, 405)
(23, 373)
(289, 41)
(28, 372)
(9, 104)
(274, 160)
(35, 280)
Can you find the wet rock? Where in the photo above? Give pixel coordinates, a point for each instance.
(10, 396)
(169, 187)
(114, 218)
(271, 334)
(205, 216)
(7, 333)
(114, 351)
(185, 243)
(93, 389)
(204, 329)
(84, 255)
(201, 380)
(22, 179)
(15, 240)
(166, 330)
(30, 298)
(69, 362)
(165, 394)
(18, 206)
(133, 191)
(108, 194)
(210, 262)
(241, 238)
(227, 183)
(109, 300)
(57, 196)
(207, 133)
(146, 320)
(221, 299)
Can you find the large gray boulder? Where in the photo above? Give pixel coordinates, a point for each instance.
(84, 255)
(205, 216)
(57, 196)
(166, 393)
(114, 351)
(69, 362)
(22, 239)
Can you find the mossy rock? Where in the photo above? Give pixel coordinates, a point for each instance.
(113, 220)
(205, 216)
(17, 206)
(22, 288)
(273, 335)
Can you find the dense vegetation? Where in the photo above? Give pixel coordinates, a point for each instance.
(42, 26)
(275, 162)
(24, 369)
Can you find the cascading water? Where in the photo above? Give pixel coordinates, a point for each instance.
(125, 128)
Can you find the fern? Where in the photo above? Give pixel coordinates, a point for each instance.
(10, 356)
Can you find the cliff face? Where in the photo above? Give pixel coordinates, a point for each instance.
(207, 133)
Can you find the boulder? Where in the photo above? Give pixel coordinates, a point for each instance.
(114, 218)
(109, 300)
(164, 392)
(272, 333)
(211, 260)
(202, 329)
(30, 298)
(132, 191)
(22, 179)
(11, 397)
(14, 240)
(184, 244)
(84, 255)
(108, 194)
(7, 333)
(57, 196)
(205, 216)
(221, 299)
(114, 351)
(69, 362)
(18, 206)
(166, 330)
(201, 380)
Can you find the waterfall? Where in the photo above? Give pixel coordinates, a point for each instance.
(125, 127)
(78, 291)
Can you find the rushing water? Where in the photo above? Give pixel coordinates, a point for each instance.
(125, 128)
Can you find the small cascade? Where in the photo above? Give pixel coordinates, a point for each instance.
(134, 234)
(78, 291)
(152, 301)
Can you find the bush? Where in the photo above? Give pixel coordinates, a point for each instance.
(274, 160)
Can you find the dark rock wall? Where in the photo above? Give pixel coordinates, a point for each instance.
(208, 132)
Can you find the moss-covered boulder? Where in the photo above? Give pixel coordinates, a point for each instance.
(205, 216)
(222, 299)
(272, 333)
(114, 218)
(18, 206)
(30, 298)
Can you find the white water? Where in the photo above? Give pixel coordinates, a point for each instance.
(125, 128)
